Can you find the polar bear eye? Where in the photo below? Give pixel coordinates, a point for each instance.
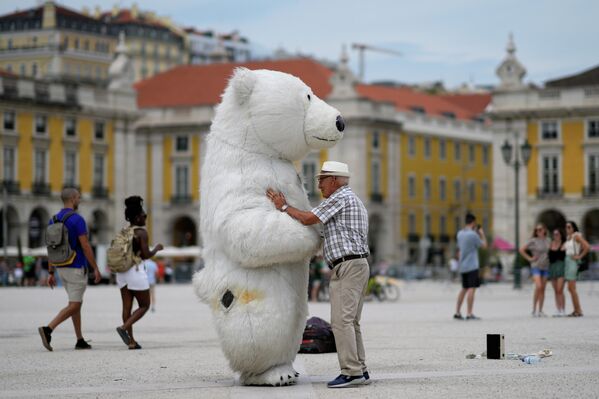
(309, 97)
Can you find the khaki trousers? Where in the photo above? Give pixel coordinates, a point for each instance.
(347, 288)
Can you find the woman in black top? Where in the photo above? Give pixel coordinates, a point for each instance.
(556, 270)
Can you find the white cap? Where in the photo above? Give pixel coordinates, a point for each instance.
(333, 168)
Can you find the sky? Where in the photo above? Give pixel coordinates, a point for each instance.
(453, 41)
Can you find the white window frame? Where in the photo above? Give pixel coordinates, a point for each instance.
(457, 150)
(65, 127)
(376, 139)
(15, 171)
(14, 120)
(428, 148)
(542, 155)
(176, 165)
(558, 137)
(412, 185)
(75, 171)
(471, 153)
(46, 165)
(484, 191)
(485, 154)
(188, 149)
(104, 164)
(412, 146)
(427, 188)
(590, 152)
(442, 188)
(586, 128)
(103, 139)
(35, 119)
(442, 149)
(427, 222)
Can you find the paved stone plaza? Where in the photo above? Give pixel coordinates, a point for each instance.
(414, 348)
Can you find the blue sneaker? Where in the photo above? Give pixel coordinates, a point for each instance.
(367, 380)
(343, 381)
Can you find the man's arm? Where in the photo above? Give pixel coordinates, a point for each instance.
(89, 255)
(483, 238)
(306, 218)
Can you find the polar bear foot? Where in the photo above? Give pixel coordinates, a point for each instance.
(276, 376)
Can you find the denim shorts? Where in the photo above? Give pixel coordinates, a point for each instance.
(535, 271)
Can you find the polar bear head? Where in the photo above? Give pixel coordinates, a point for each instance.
(281, 115)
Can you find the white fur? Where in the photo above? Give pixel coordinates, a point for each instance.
(264, 122)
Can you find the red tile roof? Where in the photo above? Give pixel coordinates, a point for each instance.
(475, 102)
(191, 85)
(196, 85)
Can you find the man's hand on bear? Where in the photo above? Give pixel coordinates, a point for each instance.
(277, 198)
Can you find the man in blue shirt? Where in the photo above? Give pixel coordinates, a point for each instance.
(73, 275)
(470, 238)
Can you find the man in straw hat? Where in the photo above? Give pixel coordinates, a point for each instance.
(345, 221)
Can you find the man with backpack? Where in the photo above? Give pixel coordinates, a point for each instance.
(70, 258)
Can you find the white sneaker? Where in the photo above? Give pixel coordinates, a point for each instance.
(534, 314)
(541, 314)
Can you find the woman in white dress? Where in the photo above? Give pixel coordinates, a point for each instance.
(576, 248)
(134, 282)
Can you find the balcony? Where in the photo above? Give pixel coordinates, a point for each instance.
(550, 192)
(590, 191)
(100, 192)
(376, 198)
(181, 199)
(41, 189)
(11, 186)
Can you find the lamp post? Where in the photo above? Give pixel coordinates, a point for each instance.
(521, 158)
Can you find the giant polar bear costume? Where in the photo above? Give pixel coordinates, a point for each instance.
(256, 257)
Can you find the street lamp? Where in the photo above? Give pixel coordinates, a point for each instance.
(520, 158)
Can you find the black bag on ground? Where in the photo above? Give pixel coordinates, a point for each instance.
(318, 337)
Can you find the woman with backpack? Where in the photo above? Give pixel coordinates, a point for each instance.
(133, 283)
(576, 248)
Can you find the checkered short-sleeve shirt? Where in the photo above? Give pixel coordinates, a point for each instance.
(345, 221)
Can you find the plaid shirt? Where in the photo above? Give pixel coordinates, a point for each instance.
(345, 221)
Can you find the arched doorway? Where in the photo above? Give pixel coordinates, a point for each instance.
(590, 226)
(12, 226)
(99, 229)
(185, 232)
(36, 232)
(552, 219)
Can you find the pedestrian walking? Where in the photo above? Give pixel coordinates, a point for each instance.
(134, 283)
(345, 249)
(556, 270)
(538, 246)
(470, 239)
(73, 274)
(576, 248)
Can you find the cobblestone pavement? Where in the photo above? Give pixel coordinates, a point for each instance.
(414, 348)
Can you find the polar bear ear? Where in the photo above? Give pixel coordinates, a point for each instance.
(243, 82)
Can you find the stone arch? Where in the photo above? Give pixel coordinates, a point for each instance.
(36, 232)
(590, 225)
(552, 218)
(12, 226)
(99, 228)
(185, 231)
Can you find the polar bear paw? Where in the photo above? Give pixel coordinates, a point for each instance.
(276, 376)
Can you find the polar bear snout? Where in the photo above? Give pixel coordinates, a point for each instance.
(340, 123)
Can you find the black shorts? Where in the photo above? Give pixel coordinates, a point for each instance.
(470, 279)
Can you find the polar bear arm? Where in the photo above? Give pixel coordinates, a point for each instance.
(259, 237)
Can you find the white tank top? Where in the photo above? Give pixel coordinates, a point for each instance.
(572, 246)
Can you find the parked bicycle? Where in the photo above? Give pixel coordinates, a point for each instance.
(383, 288)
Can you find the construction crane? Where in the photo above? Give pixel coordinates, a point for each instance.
(362, 47)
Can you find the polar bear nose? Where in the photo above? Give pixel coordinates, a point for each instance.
(340, 124)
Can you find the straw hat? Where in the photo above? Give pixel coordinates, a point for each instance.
(333, 168)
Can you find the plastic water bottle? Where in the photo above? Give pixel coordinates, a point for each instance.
(531, 359)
